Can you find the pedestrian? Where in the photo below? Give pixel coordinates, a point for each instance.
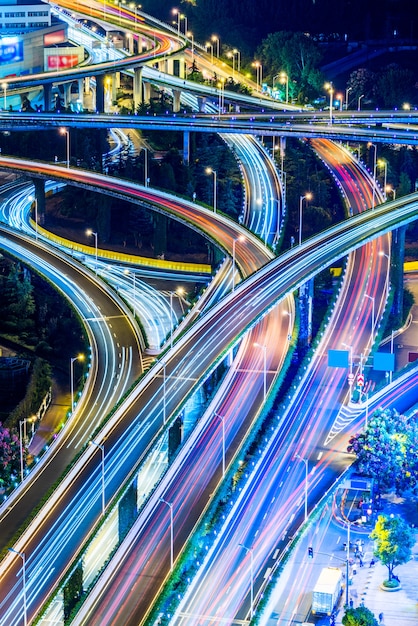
(361, 561)
(372, 563)
(354, 570)
(351, 603)
(380, 617)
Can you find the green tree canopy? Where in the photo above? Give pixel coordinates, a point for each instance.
(387, 450)
(394, 540)
(297, 55)
(360, 616)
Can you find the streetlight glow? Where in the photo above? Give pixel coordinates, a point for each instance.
(308, 196)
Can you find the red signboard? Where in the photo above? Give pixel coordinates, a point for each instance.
(62, 61)
(360, 380)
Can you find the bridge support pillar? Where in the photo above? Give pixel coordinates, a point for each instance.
(176, 100)
(40, 199)
(186, 147)
(396, 271)
(67, 94)
(100, 93)
(137, 87)
(305, 307)
(201, 103)
(47, 96)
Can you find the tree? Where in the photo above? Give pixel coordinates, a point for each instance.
(387, 450)
(394, 540)
(361, 616)
(9, 456)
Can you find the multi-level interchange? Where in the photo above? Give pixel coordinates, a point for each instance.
(212, 526)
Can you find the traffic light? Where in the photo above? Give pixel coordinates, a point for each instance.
(310, 552)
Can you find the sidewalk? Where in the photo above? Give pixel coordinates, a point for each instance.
(399, 608)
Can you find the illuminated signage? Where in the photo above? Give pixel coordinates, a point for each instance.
(62, 61)
(11, 50)
(52, 38)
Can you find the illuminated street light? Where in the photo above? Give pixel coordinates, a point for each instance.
(215, 39)
(383, 163)
(128, 273)
(284, 80)
(179, 292)
(80, 357)
(101, 447)
(66, 132)
(90, 232)
(372, 145)
(392, 190)
(22, 556)
(259, 74)
(347, 91)
(209, 45)
(190, 36)
(330, 89)
(251, 552)
(308, 197)
(209, 171)
(170, 506)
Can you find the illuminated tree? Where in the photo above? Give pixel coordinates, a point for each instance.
(9, 456)
(361, 616)
(387, 450)
(394, 540)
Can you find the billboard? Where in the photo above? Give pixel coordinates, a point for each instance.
(61, 61)
(51, 39)
(11, 50)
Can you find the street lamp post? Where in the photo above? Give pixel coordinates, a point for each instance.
(179, 292)
(306, 483)
(170, 506)
(251, 552)
(215, 39)
(22, 475)
(66, 132)
(373, 320)
(238, 53)
(264, 348)
(223, 441)
(145, 149)
(79, 357)
(383, 163)
(90, 233)
(259, 74)
(307, 196)
(284, 79)
(392, 190)
(330, 88)
(372, 145)
(101, 447)
(241, 238)
(190, 35)
(359, 102)
(231, 55)
(209, 45)
(347, 91)
(209, 171)
(127, 273)
(22, 556)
